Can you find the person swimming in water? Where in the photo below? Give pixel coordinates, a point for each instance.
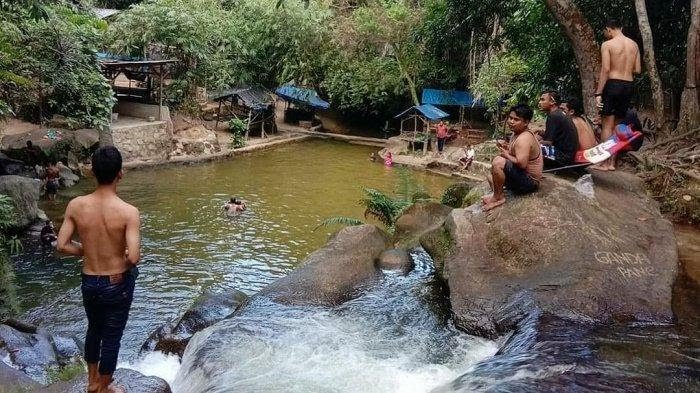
(389, 160)
(234, 205)
(48, 235)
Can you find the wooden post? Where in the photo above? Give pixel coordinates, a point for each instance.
(426, 126)
(218, 116)
(160, 92)
(247, 129)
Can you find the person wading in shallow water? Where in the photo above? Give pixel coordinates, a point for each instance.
(519, 166)
(108, 229)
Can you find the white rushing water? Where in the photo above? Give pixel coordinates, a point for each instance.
(395, 338)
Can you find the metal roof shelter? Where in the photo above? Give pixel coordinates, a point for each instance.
(302, 96)
(105, 13)
(461, 98)
(450, 98)
(256, 104)
(421, 115)
(142, 76)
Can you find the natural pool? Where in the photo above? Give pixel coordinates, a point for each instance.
(395, 338)
(189, 246)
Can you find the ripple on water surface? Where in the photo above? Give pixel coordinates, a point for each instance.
(188, 244)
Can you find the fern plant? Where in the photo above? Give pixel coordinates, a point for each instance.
(8, 295)
(385, 208)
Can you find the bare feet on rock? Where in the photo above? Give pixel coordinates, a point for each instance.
(492, 204)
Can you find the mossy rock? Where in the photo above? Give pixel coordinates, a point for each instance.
(455, 194)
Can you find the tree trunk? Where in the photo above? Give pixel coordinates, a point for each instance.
(657, 90)
(586, 51)
(402, 68)
(690, 99)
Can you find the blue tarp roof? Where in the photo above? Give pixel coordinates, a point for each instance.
(450, 97)
(299, 95)
(429, 111)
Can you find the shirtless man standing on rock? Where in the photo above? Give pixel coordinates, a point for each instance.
(108, 229)
(620, 61)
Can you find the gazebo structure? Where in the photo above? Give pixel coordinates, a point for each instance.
(463, 99)
(254, 105)
(415, 123)
(136, 80)
(305, 100)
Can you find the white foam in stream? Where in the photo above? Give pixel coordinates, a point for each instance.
(155, 364)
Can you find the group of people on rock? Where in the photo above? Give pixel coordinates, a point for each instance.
(520, 162)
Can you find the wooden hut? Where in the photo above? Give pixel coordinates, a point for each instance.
(255, 106)
(415, 124)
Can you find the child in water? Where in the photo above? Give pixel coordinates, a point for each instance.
(234, 206)
(388, 161)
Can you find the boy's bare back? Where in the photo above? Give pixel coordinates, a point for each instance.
(107, 227)
(623, 55)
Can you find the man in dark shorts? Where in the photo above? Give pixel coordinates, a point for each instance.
(620, 61)
(560, 132)
(52, 175)
(519, 165)
(108, 228)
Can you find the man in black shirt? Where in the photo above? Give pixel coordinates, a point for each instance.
(560, 131)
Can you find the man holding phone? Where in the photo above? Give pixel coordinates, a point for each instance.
(518, 167)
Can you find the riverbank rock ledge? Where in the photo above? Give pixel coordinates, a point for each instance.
(34, 352)
(206, 311)
(132, 381)
(606, 259)
(334, 273)
(25, 193)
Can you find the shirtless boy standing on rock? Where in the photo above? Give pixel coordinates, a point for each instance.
(620, 61)
(108, 229)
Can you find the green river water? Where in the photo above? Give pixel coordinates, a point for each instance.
(189, 246)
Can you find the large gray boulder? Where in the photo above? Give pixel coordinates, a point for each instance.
(606, 259)
(12, 380)
(206, 311)
(9, 166)
(34, 352)
(334, 273)
(132, 381)
(25, 193)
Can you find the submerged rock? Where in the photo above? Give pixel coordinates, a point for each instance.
(334, 273)
(608, 259)
(396, 259)
(25, 193)
(206, 311)
(132, 381)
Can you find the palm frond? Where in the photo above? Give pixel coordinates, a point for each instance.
(347, 221)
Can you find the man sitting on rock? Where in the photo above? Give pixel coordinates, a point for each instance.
(560, 132)
(519, 165)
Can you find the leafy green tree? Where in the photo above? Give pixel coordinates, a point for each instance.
(47, 51)
(8, 297)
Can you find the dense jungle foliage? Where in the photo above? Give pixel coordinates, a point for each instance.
(368, 57)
